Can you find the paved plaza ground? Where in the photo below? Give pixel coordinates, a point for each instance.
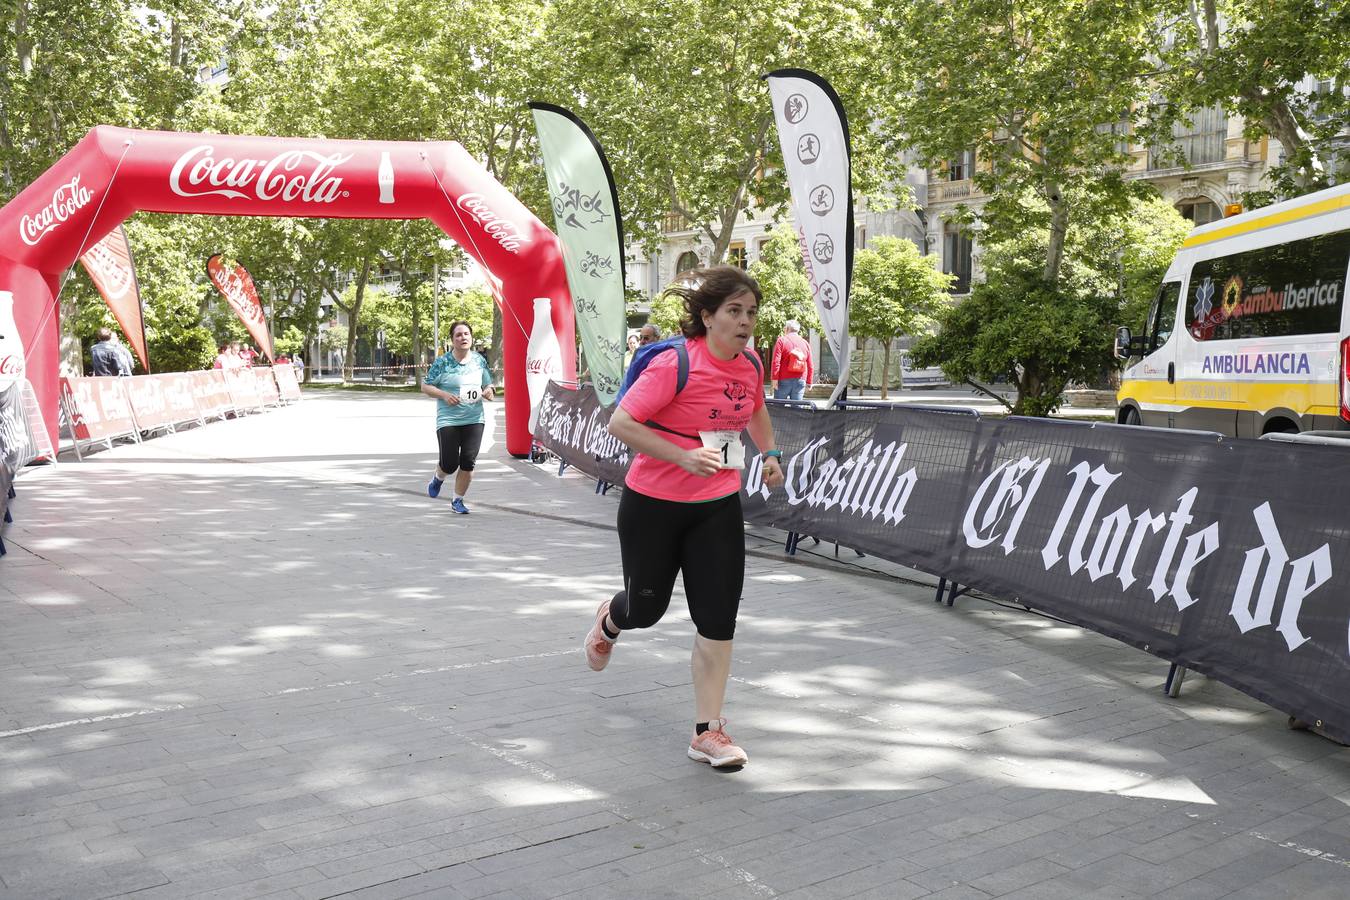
(254, 659)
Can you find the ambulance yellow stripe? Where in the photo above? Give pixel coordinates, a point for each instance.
(1331, 204)
(1319, 399)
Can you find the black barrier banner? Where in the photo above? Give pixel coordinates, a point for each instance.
(1230, 557)
(573, 424)
(17, 447)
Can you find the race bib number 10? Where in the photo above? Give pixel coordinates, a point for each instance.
(727, 443)
(470, 393)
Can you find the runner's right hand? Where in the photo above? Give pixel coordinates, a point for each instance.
(702, 461)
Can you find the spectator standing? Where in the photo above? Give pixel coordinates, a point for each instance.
(226, 358)
(793, 369)
(108, 356)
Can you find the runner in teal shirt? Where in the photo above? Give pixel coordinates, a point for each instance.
(460, 381)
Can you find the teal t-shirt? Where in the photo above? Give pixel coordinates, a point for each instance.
(453, 376)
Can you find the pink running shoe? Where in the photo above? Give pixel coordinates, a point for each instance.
(715, 748)
(598, 647)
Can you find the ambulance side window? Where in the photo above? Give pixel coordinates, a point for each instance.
(1163, 315)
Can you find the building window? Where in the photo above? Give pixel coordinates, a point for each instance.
(736, 255)
(956, 257)
(959, 168)
(1121, 131)
(688, 260)
(1199, 210)
(860, 237)
(1205, 140)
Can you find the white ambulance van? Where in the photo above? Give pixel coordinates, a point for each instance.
(1248, 332)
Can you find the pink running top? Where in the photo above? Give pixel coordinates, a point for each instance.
(720, 395)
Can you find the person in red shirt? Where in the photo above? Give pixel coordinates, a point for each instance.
(793, 370)
(681, 507)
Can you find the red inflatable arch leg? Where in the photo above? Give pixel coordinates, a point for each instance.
(114, 172)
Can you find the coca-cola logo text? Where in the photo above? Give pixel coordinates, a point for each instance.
(541, 365)
(112, 271)
(505, 232)
(11, 366)
(302, 175)
(237, 290)
(66, 201)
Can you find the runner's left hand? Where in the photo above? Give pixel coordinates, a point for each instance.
(773, 472)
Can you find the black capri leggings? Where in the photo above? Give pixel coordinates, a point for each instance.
(704, 541)
(459, 446)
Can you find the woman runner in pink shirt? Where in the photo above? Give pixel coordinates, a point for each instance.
(681, 507)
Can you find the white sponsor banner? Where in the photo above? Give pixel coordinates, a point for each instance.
(813, 132)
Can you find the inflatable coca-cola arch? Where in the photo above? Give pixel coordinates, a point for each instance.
(115, 172)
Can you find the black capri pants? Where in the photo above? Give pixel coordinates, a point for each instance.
(459, 446)
(704, 541)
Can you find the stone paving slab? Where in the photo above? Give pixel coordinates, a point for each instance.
(253, 659)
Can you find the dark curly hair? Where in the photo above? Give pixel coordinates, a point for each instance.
(705, 290)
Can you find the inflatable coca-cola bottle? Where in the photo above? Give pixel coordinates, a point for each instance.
(543, 356)
(11, 345)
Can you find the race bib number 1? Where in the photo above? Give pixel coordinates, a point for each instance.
(470, 393)
(727, 443)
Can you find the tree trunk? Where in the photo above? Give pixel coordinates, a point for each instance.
(886, 371)
(417, 344)
(354, 316)
(176, 44)
(1059, 227)
(23, 44)
(1280, 123)
(862, 368)
(1279, 120)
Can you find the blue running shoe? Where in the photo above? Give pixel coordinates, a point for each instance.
(459, 507)
(434, 487)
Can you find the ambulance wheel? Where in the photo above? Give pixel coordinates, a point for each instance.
(1131, 417)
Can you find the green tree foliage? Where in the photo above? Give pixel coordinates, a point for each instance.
(667, 311)
(289, 342)
(1033, 88)
(1283, 65)
(782, 281)
(1042, 337)
(895, 292)
(71, 66)
(672, 89)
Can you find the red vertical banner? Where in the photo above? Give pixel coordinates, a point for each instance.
(113, 271)
(237, 286)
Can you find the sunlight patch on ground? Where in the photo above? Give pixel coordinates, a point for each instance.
(13, 781)
(123, 671)
(776, 578)
(944, 692)
(344, 651)
(56, 543)
(282, 632)
(93, 704)
(523, 792)
(53, 600)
